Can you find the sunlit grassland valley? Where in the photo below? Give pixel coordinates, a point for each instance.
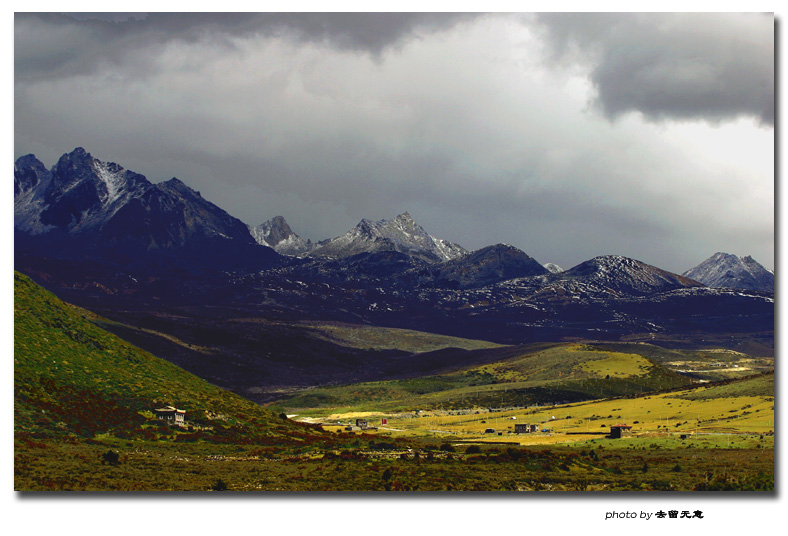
(96, 412)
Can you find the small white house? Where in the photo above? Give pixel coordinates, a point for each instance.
(171, 415)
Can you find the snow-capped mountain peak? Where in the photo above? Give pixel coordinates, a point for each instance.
(401, 233)
(107, 210)
(724, 270)
(79, 193)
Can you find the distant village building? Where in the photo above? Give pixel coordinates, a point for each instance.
(361, 423)
(526, 428)
(171, 415)
(619, 430)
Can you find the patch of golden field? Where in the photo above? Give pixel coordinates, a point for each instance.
(657, 415)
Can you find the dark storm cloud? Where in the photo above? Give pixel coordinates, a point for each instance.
(472, 126)
(65, 44)
(110, 16)
(372, 32)
(680, 66)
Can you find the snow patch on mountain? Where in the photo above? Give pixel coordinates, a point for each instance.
(114, 179)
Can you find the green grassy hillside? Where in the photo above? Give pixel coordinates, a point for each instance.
(73, 379)
(545, 375)
(761, 385)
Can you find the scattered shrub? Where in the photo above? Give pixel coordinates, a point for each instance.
(110, 457)
(219, 485)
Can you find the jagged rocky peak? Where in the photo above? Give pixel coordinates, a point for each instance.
(278, 229)
(31, 181)
(110, 211)
(277, 234)
(28, 161)
(401, 234)
(79, 193)
(108, 178)
(177, 184)
(29, 174)
(407, 224)
(724, 270)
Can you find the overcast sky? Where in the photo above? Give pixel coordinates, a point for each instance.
(567, 135)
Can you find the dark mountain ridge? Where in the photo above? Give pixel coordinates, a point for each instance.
(84, 208)
(159, 254)
(479, 268)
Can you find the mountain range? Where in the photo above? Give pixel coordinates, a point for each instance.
(108, 211)
(159, 258)
(401, 234)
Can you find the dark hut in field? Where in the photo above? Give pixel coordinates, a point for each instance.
(620, 430)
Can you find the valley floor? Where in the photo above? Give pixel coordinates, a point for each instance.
(661, 415)
(680, 441)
